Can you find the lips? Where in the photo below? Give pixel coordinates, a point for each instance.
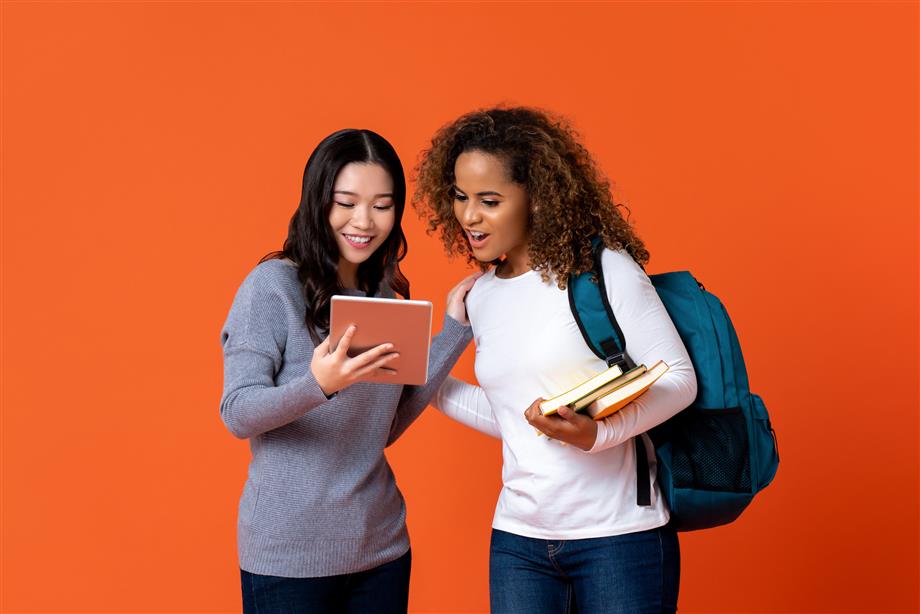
(477, 239)
(358, 241)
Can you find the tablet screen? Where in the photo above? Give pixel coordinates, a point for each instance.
(405, 324)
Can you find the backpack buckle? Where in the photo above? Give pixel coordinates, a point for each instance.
(622, 359)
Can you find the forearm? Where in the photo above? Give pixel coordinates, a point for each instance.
(467, 404)
(252, 404)
(650, 337)
(669, 395)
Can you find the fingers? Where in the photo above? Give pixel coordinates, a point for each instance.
(464, 286)
(468, 282)
(378, 364)
(361, 360)
(323, 348)
(533, 411)
(547, 425)
(345, 341)
(562, 423)
(536, 419)
(576, 419)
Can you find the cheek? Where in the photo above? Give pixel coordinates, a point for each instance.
(522, 216)
(524, 220)
(338, 217)
(512, 222)
(385, 223)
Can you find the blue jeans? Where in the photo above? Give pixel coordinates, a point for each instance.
(381, 590)
(624, 574)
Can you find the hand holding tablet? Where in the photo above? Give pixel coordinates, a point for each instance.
(335, 369)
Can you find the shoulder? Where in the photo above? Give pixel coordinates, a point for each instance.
(625, 280)
(263, 306)
(272, 273)
(481, 286)
(272, 278)
(619, 260)
(271, 287)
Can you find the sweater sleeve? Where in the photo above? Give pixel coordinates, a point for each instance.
(253, 340)
(650, 337)
(467, 404)
(446, 348)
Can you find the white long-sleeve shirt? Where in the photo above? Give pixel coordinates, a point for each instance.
(528, 345)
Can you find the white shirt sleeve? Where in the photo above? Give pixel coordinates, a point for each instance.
(650, 337)
(466, 404)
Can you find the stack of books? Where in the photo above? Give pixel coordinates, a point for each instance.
(607, 392)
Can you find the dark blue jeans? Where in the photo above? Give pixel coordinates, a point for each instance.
(625, 574)
(381, 590)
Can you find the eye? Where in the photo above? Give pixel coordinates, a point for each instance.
(383, 207)
(346, 205)
(491, 203)
(460, 197)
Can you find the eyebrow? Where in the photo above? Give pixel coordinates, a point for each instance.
(486, 193)
(384, 195)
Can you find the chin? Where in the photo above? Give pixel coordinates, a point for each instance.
(358, 258)
(481, 255)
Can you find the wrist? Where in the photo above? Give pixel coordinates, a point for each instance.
(324, 386)
(458, 317)
(599, 430)
(590, 437)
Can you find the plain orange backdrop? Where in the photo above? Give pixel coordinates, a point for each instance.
(152, 152)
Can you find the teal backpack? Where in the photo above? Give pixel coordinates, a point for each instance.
(716, 454)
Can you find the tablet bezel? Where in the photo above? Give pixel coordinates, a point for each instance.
(386, 320)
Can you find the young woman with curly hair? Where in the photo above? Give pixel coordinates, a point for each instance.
(322, 524)
(514, 188)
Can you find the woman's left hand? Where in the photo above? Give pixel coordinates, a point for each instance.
(565, 425)
(456, 308)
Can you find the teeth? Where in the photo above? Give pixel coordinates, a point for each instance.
(358, 239)
(477, 235)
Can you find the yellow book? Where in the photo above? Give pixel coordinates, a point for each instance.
(550, 406)
(623, 395)
(608, 388)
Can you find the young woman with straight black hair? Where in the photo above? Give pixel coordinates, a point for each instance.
(321, 522)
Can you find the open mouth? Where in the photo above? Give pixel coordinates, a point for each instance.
(477, 239)
(358, 241)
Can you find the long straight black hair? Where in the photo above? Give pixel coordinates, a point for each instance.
(310, 243)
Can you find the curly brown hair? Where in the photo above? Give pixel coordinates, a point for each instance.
(570, 198)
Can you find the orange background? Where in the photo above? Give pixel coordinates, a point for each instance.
(152, 152)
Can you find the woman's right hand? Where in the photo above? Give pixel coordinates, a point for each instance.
(336, 370)
(456, 307)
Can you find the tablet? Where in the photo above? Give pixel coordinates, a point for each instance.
(405, 324)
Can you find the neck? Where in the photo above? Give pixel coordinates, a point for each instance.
(516, 262)
(348, 274)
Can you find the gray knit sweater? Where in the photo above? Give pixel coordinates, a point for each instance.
(320, 498)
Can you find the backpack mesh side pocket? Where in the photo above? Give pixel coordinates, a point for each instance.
(710, 450)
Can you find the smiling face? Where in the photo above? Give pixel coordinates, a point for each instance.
(362, 215)
(493, 210)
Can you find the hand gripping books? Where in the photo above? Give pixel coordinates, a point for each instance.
(602, 395)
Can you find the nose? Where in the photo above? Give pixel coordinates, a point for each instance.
(469, 214)
(361, 218)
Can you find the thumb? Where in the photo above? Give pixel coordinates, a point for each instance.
(566, 413)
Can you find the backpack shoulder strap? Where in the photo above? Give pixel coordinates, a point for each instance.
(594, 316)
(601, 331)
